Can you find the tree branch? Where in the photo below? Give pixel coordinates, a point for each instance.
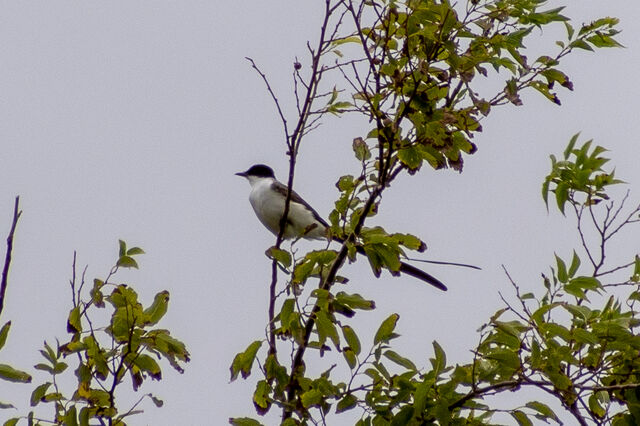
(7, 258)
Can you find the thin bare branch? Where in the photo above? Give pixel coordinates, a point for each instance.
(7, 258)
(273, 95)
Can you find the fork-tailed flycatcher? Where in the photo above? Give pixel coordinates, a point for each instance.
(268, 197)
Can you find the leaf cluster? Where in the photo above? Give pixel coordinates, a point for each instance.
(578, 173)
(128, 346)
(415, 70)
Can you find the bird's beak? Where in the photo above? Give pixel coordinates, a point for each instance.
(242, 174)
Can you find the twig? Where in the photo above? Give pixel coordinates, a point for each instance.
(7, 258)
(616, 269)
(273, 95)
(583, 240)
(72, 282)
(481, 391)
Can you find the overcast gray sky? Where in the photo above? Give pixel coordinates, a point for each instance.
(127, 119)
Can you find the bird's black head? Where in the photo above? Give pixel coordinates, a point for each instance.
(258, 170)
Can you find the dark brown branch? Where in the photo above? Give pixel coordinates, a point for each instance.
(273, 95)
(274, 269)
(482, 391)
(326, 285)
(7, 258)
(578, 212)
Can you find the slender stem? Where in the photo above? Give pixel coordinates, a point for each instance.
(7, 259)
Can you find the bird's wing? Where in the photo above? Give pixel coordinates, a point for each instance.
(282, 189)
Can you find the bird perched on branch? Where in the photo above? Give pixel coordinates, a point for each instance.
(268, 197)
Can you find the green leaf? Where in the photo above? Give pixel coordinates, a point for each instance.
(543, 410)
(12, 422)
(343, 40)
(552, 330)
(570, 30)
(581, 44)
(96, 356)
(149, 365)
(338, 108)
(411, 157)
(134, 251)
(348, 402)
(350, 357)
(400, 360)
(386, 254)
(305, 268)
(60, 367)
(244, 421)
(127, 262)
(577, 286)
(511, 91)
(243, 361)
(571, 145)
(636, 270)
(155, 312)
(545, 192)
(261, 396)
(281, 256)
(74, 325)
(5, 405)
(83, 417)
(352, 339)
(44, 367)
(97, 297)
(402, 417)
(544, 88)
(361, 149)
(122, 248)
(71, 418)
(553, 75)
(354, 301)
(603, 40)
(311, 398)
(596, 401)
(385, 331)
(583, 336)
(50, 354)
(575, 264)
(326, 328)
(521, 418)
(562, 270)
(172, 349)
(10, 374)
(4, 332)
(562, 195)
(411, 242)
(578, 311)
(55, 396)
(559, 380)
(507, 358)
(420, 396)
(440, 361)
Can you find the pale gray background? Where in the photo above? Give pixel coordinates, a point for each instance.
(123, 119)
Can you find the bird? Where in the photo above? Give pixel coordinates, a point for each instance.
(268, 197)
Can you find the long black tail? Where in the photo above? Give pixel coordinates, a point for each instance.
(405, 268)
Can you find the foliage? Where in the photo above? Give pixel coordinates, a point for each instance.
(417, 70)
(128, 345)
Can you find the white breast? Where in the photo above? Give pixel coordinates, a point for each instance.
(269, 207)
